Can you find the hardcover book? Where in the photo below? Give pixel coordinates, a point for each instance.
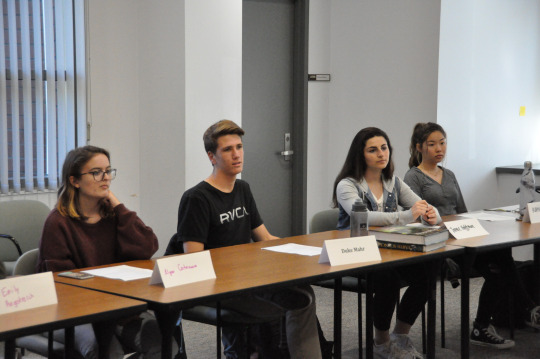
(409, 246)
(410, 234)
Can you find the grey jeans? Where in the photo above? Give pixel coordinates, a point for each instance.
(298, 306)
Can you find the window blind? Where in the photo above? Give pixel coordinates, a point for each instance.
(42, 91)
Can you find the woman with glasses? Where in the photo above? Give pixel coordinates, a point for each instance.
(91, 227)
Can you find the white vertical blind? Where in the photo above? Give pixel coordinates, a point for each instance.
(42, 69)
(38, 80)
(27, 97)
(80, 68)
(50, 92)
(14, 70)
(4, 178)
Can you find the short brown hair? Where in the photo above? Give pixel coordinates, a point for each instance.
(218, 129)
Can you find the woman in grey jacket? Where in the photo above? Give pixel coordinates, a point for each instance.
(368, 174)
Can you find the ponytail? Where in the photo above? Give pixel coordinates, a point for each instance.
(420, 134)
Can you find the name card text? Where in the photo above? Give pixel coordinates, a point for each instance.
(466, 228)
(27, 292)
(350, 250)
(534, 212)
(184, 269)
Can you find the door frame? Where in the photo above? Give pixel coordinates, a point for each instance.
(300, 112)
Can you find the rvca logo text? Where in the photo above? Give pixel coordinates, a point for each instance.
(230, 216)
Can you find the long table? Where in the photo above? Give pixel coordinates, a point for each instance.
(502, 234)
(75, 306)
(245, 268)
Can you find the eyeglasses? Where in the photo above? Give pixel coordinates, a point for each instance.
(100, 175)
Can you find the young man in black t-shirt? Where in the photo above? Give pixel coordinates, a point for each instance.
(220, 211)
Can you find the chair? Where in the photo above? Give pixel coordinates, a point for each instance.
(324, 221)
(222, 318)
(26, 264)
(37, 343)
(21, 224)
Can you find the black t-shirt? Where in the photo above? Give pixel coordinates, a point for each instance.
(214, 218)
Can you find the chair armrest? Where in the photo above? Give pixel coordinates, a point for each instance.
(12, 239)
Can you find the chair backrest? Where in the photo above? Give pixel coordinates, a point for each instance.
(26, 264)
(324, 221)
(22, 219)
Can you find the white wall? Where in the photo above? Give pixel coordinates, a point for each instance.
(161, 73)
(137, 103)
(318, 191)
(161, 111)
(382, 56)
(113, 91)
(489, 67)
(213, 76)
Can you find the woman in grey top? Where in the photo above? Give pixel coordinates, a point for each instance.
(439, 186)
(368, 173)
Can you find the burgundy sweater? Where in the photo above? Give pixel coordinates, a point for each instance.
(68, 243)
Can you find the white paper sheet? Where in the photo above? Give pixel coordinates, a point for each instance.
(294, 248)
(421, 225)
(489, 216)
(122, 272)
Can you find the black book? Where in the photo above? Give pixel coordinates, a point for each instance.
(410, 247)
(410, 234)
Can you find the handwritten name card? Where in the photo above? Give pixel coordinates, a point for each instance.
(350, 250)
(27, 292)
(533, 210)
(184, 269)
(466, 228)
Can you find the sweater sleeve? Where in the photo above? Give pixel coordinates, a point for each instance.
(347, 194)
(460, 205)
(54, 246)
(135, 240)
(407, 198)
(414, 181)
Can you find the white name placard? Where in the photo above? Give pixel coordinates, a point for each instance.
(466, 228)
(184, 269)
(534, 212)
(27, 292)
(350, 250)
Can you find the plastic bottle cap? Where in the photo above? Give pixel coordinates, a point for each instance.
(359, 206)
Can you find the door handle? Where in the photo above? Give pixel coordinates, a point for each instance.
(287, 153)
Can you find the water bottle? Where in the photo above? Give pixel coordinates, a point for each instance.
(359, 219)
(526, 188)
